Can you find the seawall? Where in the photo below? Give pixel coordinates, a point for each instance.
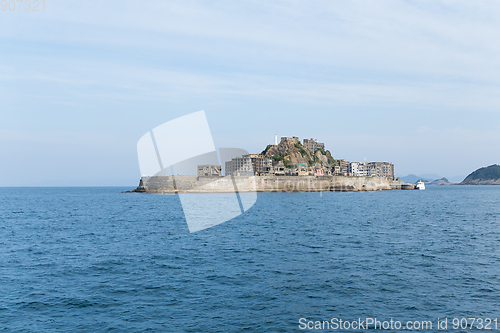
(193, 184)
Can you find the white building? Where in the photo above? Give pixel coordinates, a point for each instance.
(358, 169)
(380, 169)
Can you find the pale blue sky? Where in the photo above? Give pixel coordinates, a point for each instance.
(411, 82)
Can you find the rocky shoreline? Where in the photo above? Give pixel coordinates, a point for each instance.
(481, 182)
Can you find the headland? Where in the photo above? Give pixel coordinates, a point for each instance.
(484, 176)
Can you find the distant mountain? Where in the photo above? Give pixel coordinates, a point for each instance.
(431, 179)
(411, 178)
(484, 176)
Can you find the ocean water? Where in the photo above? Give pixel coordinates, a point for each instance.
(96, 259)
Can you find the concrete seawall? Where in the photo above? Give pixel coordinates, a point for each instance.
(193, 184)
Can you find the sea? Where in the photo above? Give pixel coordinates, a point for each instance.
(94, 259)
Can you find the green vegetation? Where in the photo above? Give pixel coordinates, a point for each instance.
(331, 160)
(486, 173)
(301, 149)
(265, 150)
(326, 153)
(305, 154)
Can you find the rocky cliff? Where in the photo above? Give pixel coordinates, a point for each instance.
(292, 153)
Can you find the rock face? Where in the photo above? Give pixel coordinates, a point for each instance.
(484, 176)
(291, 151)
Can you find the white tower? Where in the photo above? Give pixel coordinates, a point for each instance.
(276, 139)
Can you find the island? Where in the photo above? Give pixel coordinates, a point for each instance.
(484, 176)
(287, 166)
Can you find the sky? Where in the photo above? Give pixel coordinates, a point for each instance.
(414, 83)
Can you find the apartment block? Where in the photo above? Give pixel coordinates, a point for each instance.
(312, 145)
(248, 165)
(209, 170)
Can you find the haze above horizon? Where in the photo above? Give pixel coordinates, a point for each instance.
(412, 83)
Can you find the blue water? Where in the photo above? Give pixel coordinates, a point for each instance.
(96, 259)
